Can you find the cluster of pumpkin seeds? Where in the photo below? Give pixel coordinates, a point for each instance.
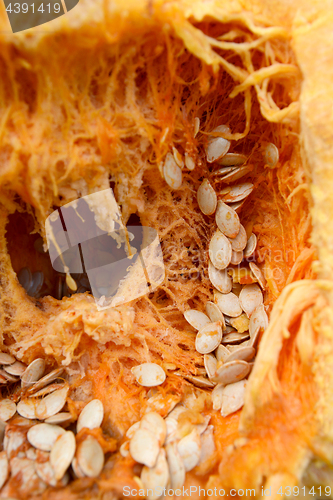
(168, 447)
(33, 431)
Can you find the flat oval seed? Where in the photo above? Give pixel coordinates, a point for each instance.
(6, 359)
(216, 396)
(16, 369)
(223, 171)
(233, 397)
(43, 436)
(132, 430)
(258, 274)
(231, 372)
(4, 468)
(189, 162)
(250, 298)
(46, 473)
(24, 277)
(90, 457)
(207, 198)
(271, 155)
(176, 466)
(258, 319)
(172, 173)
(196, 126)
(243, 353)
(237, 173)
(235, 337)
(91, 416)
(214, 313)
(124, 449)
(251, 245)
(189, 449)
(220, 279)
(153, 422)
(239, 242)
(46, 390)
(144, 447)
(233, 194)
(59, 418)
(178, 157)
(42, 382)
(27, 408)
(208, 338)
(199, 381)
(7, 409)
(62, 454)
(231, 159)
(51, 404)
(210, 363)
(149, 374)
(156, 478)
(236, 258)
(220, 250)
(228, 303)
(197, 319)
(36, 283)
(254, 339)
(217, 146)
(222, 353)
(33, 372)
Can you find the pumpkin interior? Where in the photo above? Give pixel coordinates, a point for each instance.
(110, 112)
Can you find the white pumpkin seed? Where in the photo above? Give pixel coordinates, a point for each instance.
(237, 206)
(43, 436)
(59, 418)
(223, 171)
(231, 159)
(196, 126)
(171, 426)
(199, 381)
(7, 409)
(258, 274)
(189, 449)
(258, 319)
(51, 404)
(27, 408)
(207, 198)
(156, 478)
(239, 242)
(234, 337)
(214, 313)
(45, 472)
(91, 416)
(33, 372)
(222, 353)
(124, 449)
(227, 220)
(154, 423)
(176, 466)
(4, 468)
(242, 353)
(178, 410)
(251, 246)
(220, 279)
(236, 258)
(271, 155)
(178, 157)
(238, 173)
(42, 382)
(189, 162)
(228, 303)
(62, 454)
(207, 444)
(210, 363)
(132, 430)
(220, 250)
(144, 447)
(231, 372)
(6, 359)
(16, 368)
(197, 319)
(208, 338)
(233, 397)
(149, 374)
(250, 298)
(216, 396)
(171, 172)
(233, 194)
(217, 146)
(46, 390)
(90, 457)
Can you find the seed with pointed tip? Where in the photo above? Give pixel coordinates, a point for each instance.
(171, 172)
(149, 374)
(206, 197)
(91, 416)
